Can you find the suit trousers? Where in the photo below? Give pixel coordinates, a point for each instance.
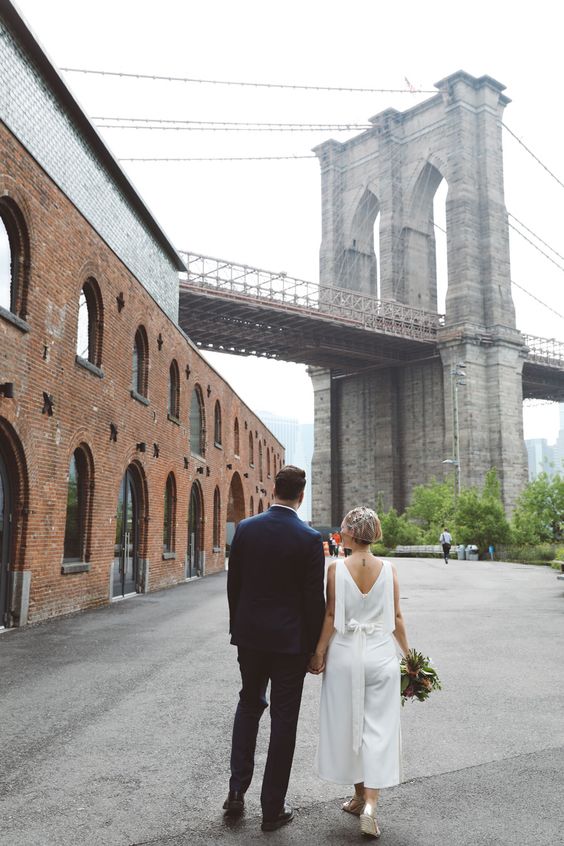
(286, 674)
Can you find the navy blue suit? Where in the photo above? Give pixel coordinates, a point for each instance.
(276, 610)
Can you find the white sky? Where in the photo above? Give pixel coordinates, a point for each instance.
(268, 213)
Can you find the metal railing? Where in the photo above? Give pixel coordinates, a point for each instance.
(242, 283)
(545, 350)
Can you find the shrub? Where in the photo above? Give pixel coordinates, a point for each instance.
(527, 554)
(539, 513)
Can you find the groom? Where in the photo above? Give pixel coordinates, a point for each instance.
(276, 610)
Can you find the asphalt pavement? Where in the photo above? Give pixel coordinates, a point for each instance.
(115, 723)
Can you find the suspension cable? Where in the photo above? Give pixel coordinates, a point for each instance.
(534, 234)
(231, 126)
(156, 77)
(212, 158)
(536, 158)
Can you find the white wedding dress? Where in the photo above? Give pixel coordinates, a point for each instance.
(359, 721)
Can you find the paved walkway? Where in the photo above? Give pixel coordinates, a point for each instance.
(115, 723)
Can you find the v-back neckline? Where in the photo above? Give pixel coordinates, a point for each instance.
(376, 580)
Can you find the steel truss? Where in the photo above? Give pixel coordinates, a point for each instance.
(244, 283)
(545, 350)
(247, 310)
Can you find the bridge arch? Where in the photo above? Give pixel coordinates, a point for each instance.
(419, 243)
(358, 268)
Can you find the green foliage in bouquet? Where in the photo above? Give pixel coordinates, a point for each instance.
(418, 677)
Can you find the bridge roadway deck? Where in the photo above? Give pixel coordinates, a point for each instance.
(244, 325)
(116, 722)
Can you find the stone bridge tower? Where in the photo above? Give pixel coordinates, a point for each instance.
(387, 429)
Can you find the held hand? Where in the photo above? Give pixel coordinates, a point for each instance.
(316, 664)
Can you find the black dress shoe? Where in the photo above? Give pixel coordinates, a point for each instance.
(285, 815)
(235, 803)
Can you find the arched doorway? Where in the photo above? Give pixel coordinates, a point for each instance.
(5, 539)
(15, 580)
(126, 572)
(195, 549)
(235, 509)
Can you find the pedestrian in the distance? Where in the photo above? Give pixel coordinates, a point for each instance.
(446, 541)
(337, 539)
(276, 610)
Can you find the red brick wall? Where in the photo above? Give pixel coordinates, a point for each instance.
(64, 251)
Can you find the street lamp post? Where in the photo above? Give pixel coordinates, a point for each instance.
(457, 374)
(456, 466)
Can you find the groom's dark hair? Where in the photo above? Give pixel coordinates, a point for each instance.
(289, 482)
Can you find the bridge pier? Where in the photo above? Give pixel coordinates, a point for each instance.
(392, 427)
(378, 433)
(490, 420)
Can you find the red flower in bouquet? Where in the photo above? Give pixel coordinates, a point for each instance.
(418, 677)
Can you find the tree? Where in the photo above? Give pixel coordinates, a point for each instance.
(431, 508)
(480, 517)
(398, 530)
(539, 513)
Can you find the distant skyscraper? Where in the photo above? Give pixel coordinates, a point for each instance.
(558, 448)
(297, 439)
(540, 457)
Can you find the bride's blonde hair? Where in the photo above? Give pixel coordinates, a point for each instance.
(363, 524)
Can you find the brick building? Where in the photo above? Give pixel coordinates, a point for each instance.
(125, 459)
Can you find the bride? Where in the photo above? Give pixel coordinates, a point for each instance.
(359, 731)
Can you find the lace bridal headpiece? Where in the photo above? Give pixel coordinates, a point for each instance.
(363, 524)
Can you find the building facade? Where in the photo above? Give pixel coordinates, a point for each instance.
(540, 457)
(124, 456)
(298, 445)
(544, 457)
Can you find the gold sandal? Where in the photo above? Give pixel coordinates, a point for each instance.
(354, 805)
(368, 824)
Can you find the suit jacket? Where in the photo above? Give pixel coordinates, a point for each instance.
(275, 583)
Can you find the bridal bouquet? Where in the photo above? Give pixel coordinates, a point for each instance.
(418, 677)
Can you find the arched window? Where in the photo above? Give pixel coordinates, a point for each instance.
(140, 362)
(14, 259)
(274, 461)
(260, 508)
(169, 520)
(252, 506)
(197, 423)
(251, 450)
(217, 423)
(268, 462)
(174, 390)
(89, 331)
(236, 437)
(260, 461)
(78, 508)
(216, 519)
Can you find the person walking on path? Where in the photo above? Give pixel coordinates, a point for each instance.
(276, 610)
(445, 540)
(359, 719)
